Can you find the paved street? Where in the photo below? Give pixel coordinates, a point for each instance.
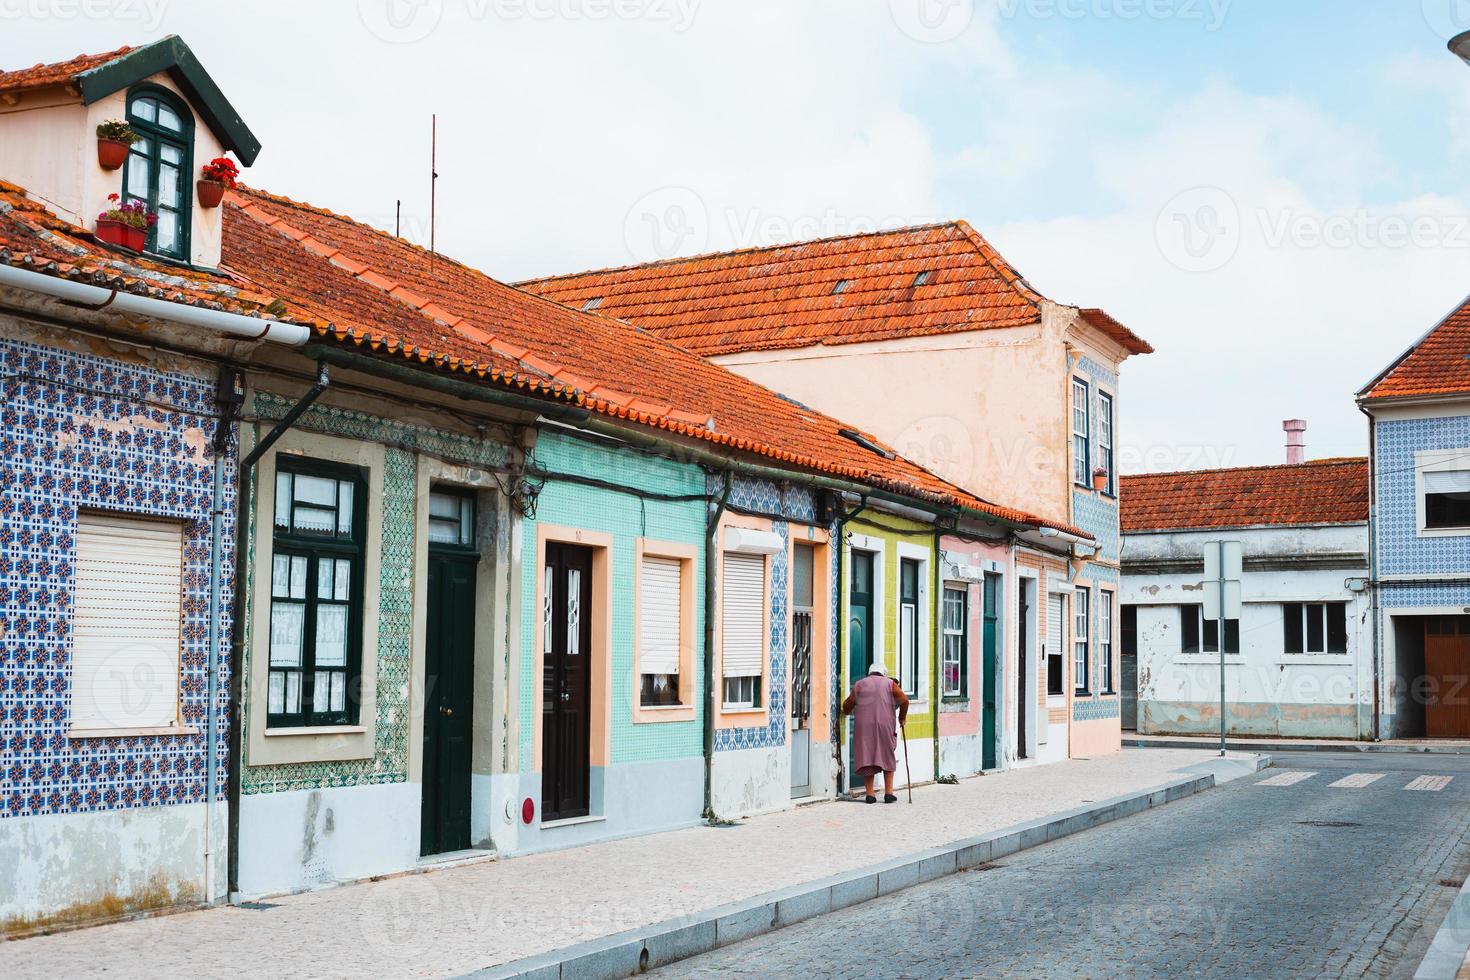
(1276, 875)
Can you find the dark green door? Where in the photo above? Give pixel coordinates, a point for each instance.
(859, 629)
(990, 640)
(448, 703)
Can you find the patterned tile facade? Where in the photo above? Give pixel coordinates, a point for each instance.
(1400, 549)
(1097, 514)
(86, 432)
(395, 591)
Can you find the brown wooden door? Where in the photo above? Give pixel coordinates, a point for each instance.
(566, 686)
(1447, 677)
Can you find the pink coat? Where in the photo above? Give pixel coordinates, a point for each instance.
(874, 705)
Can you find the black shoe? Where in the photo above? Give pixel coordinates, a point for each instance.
(870, 799)
(889, 798)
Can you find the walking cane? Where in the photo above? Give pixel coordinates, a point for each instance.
(908, 774)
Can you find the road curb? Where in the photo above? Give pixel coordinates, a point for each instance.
(1261, 745)
(1451, 941)
(661, 943)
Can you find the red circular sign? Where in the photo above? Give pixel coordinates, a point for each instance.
(528, 810)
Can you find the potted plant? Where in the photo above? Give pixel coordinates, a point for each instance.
(114, 137)
(1100, 479)
(214, 177)
(125, 224)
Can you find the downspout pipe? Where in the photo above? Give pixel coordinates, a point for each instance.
(1376, 637)
(99, 298)
(711, 569)
(244, 505)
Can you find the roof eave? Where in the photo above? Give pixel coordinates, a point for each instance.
(172, 55)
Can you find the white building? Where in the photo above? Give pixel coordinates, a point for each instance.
(1299, 662)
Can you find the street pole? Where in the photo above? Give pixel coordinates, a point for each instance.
(1220, 645)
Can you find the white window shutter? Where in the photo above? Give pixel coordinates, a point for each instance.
(1056, 638)
(1447, 481)
(125, 626)
(658, 616)
(743, 589)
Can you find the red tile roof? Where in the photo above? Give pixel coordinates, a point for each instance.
(1324, 491)
(920, 281)
(1437, 364)
(386, 292)
(57, 73)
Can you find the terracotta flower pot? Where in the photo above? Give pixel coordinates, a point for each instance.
(210, 192)
(1099, 481)
(121, 233)
(111, 154)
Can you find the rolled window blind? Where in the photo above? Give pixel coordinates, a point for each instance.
(658, 616)
(125, 632)
(743, 587)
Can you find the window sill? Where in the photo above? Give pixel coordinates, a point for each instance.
(1444, 532)
(1210, 659)
(316, 730)
(662, 714)
(954, 706)
(132, 732)
(573, 821)
(1314, 660)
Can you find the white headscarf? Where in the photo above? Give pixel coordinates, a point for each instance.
(878, 668)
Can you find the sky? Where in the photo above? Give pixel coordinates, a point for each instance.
(1276, 195)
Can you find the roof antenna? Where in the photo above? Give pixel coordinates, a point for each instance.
(433, 176)
(398, 218)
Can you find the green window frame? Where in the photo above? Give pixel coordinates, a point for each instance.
(314, 647)
(160, 166)
(1081, 433)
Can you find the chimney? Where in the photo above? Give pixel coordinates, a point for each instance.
(1296, 443)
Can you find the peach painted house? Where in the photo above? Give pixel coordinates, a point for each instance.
(930, 340)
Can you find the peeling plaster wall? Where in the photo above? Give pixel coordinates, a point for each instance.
(1268, 691)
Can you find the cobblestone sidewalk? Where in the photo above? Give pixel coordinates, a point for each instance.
(460, 919)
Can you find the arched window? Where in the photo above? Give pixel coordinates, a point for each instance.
(160, 165)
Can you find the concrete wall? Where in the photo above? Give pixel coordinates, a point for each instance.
(1268, 691)
(48, 145)
(961, 748)
(94, 825)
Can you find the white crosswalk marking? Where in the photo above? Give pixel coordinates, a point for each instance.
(1357, 780)
(1429, 784)
(1287, 778)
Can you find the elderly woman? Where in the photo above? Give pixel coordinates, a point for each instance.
(872, 704)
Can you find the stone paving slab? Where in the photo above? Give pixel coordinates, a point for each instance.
(462, 919)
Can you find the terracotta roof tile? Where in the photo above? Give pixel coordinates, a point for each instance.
(56, 73)
(920, 281)
(616, 369)
(1438, 364)
(1325, 491)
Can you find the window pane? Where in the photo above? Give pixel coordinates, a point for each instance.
(1316, 641)
(574, 612)
(1291, 618)
(287, 622)
(276, 699)
(1189, 629)
(170, 153)
(321, 691)
(293, 693)
(1337, 628)
(1212, 636)
(283, 500)
(324, 572)
(167, 231)
(343, 580)
(344, 508)
(339, 691)
(331, 636)
(1232, 636)
(145, 109)
(281, 576)
(801, 579)
(140, 172)
(298, 576)
(313, 519)
(169, 119)
(316, 490)
(168, 187)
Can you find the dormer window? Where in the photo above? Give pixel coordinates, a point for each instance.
(159, 166)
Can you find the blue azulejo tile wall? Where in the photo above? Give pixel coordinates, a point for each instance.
(1401, 551)
(84, 432)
